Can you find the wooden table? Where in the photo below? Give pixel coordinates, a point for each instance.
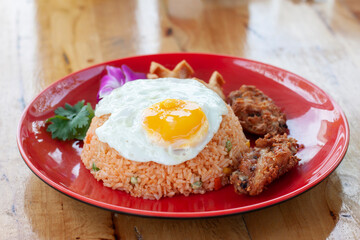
(44, 40)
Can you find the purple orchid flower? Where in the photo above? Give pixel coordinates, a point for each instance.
(116, 77)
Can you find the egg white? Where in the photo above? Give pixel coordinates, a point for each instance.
(123, 130)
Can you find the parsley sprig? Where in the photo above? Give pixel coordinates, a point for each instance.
(71, 122)
(94, 167)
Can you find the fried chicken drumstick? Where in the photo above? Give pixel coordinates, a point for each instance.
(271, 157)
(257, 113)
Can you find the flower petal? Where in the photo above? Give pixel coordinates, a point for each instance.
(107, 84)
(104, 91)
(109, 81)
(130, 75)
(116, 73)
(116, 77)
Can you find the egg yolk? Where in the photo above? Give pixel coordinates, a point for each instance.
(175, 122)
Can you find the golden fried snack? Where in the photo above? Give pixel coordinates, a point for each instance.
(181, 70)
(184, 70)
(215, 83)
(257, 113)
(271, 157)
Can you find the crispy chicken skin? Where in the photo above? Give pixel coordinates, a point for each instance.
(271, 157)
(257, 113)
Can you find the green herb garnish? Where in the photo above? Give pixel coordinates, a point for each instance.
(228, 145)
(196, 185)
(71, 122)
(95, 168)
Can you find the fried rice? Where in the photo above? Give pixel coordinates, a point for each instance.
(151, 180)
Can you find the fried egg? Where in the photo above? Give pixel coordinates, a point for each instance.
(167, 120)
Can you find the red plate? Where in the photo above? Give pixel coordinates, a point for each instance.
(314, 119)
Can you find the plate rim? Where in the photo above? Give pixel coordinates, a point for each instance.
(188, 215)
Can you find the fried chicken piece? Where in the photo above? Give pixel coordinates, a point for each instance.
(271, 157)
(257, 113)
(184, 70)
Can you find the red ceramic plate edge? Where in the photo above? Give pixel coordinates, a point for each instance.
(146, 213)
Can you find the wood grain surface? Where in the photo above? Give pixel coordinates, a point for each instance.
(42, 41)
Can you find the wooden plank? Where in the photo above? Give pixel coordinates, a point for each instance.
(69, 45)
(128, 28)
(67, 41)
(130, 227)
(13, 172)
(353, 7)
(212, 26)
(304, 217)
(29, 208)
(53, 215)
